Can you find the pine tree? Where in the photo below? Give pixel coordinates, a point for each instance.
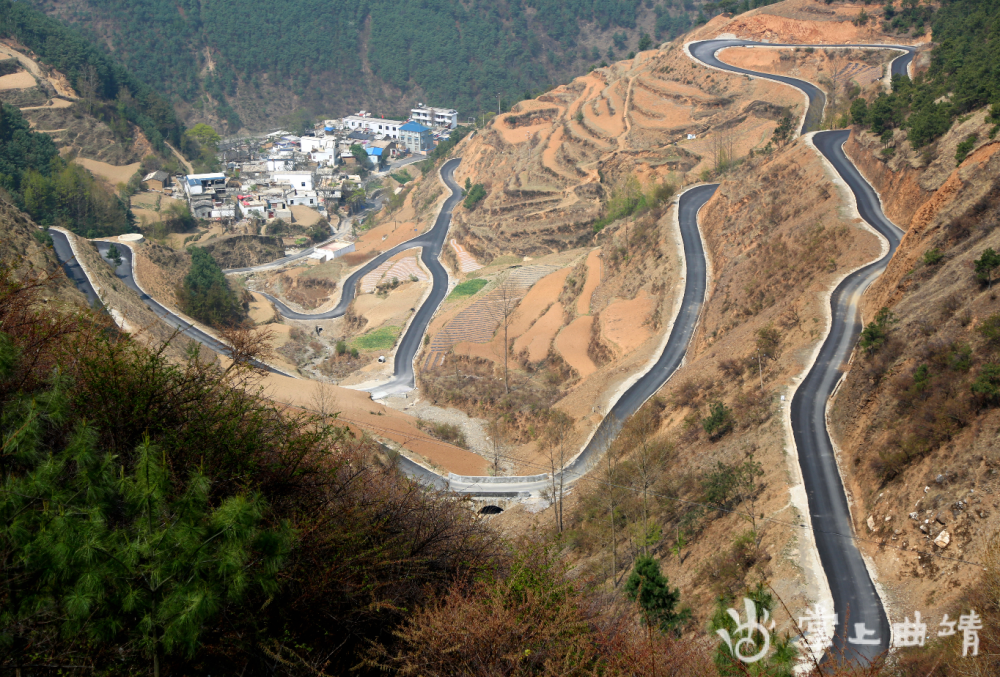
(651, 589)
(115, 255)
(986, 264)
(115, 551)
(205, 294)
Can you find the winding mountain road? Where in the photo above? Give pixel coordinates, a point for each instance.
(689, 204)
(430, 244)
(707, 51)
(851, 586)
(850, 583)
(124, 272)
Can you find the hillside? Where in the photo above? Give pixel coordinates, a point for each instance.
(363, 54)
(169, 510)
(558, 167)
(916, 417)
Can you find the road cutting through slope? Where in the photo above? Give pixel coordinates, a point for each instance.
(851, 586)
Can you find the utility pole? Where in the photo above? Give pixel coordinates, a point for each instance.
(498, 103)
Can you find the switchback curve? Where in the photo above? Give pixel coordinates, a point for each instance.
(689, 204)
(125, 273)
(430, 244)
(853, 591)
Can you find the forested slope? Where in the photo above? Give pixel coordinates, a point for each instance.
(93, 74)
(252, 63)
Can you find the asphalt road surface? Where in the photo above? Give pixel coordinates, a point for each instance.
(124, 273)
(430, 244)
(72, 267)
(706, 51)
(850, 584)
(695, 282)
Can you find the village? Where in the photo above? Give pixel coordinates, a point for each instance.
(334, 170)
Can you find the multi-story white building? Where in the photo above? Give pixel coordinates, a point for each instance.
(364, 121)
(435, 117)
(416, 137)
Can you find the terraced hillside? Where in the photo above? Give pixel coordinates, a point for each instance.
(551, 165)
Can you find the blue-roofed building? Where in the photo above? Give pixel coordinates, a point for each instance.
(200, 184)
(377, 155)
(416, 137)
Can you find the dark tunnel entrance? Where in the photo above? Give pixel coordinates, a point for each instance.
(490, 510)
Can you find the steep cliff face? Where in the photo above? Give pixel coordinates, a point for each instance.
(919, 444)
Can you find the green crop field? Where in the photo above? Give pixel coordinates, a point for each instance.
(382, 338)
(467, 288)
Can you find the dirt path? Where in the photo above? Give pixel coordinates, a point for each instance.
(56, 103)
(60, 84)
(180, 158)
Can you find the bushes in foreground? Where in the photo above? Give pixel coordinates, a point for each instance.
(167, 518)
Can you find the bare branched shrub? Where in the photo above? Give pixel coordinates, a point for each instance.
(731, 368)
(688, 393)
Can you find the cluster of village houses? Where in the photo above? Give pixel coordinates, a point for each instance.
(265, 177)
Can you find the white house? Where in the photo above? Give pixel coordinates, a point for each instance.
(309, 144)
(281, 164)
(200, 184)
(435, 117)
(416, 137)
(307, 198)
(297, 180)
(227, 210)
(324, 157)
(249, 207)
(364, 122)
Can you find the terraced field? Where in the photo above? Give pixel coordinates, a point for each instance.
(478, 322)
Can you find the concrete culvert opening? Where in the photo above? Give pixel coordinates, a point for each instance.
(490, 510)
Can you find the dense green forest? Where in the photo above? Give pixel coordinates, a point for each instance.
(446, 52)
(52, 190)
